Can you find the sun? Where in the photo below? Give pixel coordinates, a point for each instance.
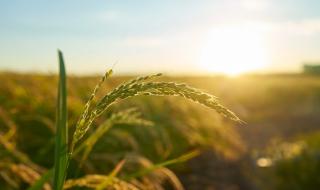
(234, 50)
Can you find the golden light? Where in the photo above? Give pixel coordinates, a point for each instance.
(264, 162)
(234, 50)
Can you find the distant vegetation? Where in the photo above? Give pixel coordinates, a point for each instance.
(281, 112)
(311, 69)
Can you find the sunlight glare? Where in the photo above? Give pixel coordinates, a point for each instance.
(234, 50)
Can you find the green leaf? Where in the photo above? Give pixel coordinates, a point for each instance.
(61, 139)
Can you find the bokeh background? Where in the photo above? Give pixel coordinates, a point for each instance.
(260, 57)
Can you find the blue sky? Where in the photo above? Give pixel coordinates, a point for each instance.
(151, 36)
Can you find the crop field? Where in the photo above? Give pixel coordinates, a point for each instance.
(160, 95)
(163, 142)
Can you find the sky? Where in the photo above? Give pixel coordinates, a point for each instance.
(170, 36)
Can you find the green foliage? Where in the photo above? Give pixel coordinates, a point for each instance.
(61, 139)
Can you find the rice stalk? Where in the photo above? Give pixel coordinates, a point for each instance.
(152, 176)
(129, 116)
(168, 174)
(111, 176)
(124, 136)
(93, 181)
(88, 117)
(84, 115)
(158, 180)
(9, 180)
(141, 86)
(28, 175)
(17, 154)
(154, 167)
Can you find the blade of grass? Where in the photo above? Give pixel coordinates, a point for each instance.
(61, 144)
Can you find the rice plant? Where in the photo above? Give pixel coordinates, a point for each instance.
(81, 146)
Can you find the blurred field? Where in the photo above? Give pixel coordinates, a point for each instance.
(280, 138)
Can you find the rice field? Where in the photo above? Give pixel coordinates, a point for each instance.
(119, 136)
